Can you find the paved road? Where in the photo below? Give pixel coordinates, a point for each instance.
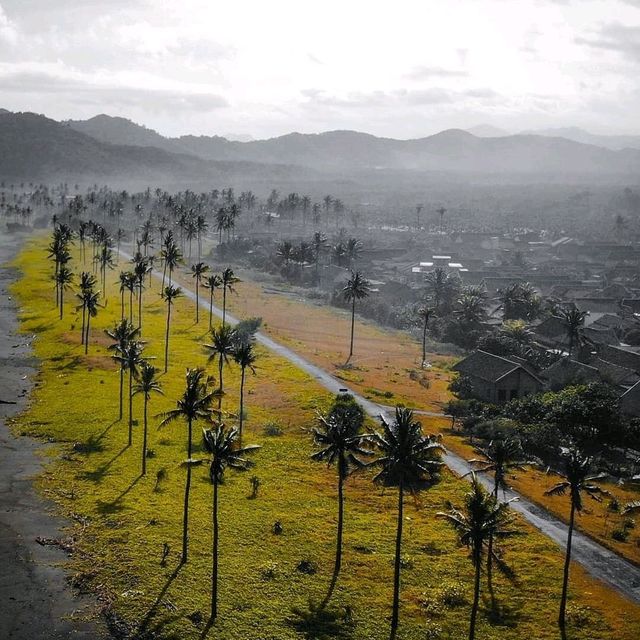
(596, 559)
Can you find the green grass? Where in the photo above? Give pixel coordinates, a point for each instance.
(123, 524)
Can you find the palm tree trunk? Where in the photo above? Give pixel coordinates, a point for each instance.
(476, 599)
(211, 310)
(353, 319)
(242, 376)
(61, 302)
(187, 487)
(490, 548)
(214, 571)
(338, 560)
(396, 570)
(140, 306)
(84, 314)
(197, 302)
(122, 305)
(424, 341)
(130, 407)
(166, 338)
(144, 438)
(86, 340)
(131, 306)
(567, 563)
(121, 391)
(164, 275)
(221, 388)
(224, 304)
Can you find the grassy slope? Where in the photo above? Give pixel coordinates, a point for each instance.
(382, 363)
(126, 523)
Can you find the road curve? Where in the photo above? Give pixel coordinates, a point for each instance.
(598, 561)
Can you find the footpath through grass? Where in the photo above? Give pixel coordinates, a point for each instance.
(267, 581)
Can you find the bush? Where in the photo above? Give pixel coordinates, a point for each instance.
(453, 595)
(272, 429)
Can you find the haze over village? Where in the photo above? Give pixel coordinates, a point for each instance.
(320, 321)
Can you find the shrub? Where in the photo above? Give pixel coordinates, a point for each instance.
(452, 595)
(620, 534)
(272, 429)
(269, 571)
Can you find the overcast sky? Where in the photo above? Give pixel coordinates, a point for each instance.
(400, 68)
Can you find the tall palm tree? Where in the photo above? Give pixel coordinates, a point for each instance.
(223, 446)
(130, 357)
(212, 283)
(170, 294)
(223, 342)
(441, 287)
(197, 271)
(245, 356)
(91, 304)
(172, 257)
(338, 433)
(147, 384)
(501, 457)
(409, 460)
(128, 281)
(194, 404)
(87, 284)
(122, 333)
(481, 519)
(64, 279)
(573, 321)
(318, 244)
(228, 280)
(140, 271)
(424, 314)
(357, 288)
(578, 479)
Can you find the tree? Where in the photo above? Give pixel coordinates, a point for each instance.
(573, 321)
(130, 358)
(197, 271)
(501, 457)
(423, 314)
(87, 284)
(212, 283)
(520, 301)
(223, 446)
(170, 294)
(357, 288)
(194, 404)
(122, 334)
(64, 279)
(481, 519)
(338, 433)
(90, 302)
(409, 460)
(147, 384)
(245, 356)
(140, 271)
(441, 288)
(223, 340)
(227, 280)
(578, 479)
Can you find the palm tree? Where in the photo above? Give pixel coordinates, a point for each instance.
(481, 519)
(424, 314)
(91, 304)
(409, 460)
(172, 258)
(339, 436)
(441, 211)
(212, 283)
(147, 384)
(577, 480)
(573, 321)
(318, 244)
(194, 404)
(122, 334)
(128, 281)
(501, 457)
(441, 287)
(223, 446)
(87, 283)
(357, 288)
(198, 270)
(245, 356)
(140, 271)
(63, 279)
(130, 358)
(170, 294)
(227, 279)
(223, 341)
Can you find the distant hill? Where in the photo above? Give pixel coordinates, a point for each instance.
(37, 148)
(115, 146)
(487, 131)
(615, 143)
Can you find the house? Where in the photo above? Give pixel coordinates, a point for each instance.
(497, 379)
(630, 401)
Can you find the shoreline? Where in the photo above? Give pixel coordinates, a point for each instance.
(38, 602)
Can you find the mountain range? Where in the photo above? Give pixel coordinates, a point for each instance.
(34, 147)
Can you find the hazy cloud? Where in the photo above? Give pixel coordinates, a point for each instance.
(616, 37)
(426, 73)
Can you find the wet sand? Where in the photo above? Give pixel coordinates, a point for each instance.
(36, 601)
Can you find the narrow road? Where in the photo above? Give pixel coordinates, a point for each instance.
(596, 559)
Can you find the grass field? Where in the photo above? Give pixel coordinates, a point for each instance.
(122, 523)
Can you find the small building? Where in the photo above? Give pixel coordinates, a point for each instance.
(497, 379)
(630, 401)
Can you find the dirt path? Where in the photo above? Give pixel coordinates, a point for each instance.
(36, 601)
(596, 560)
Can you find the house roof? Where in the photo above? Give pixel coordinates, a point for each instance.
(489, 367)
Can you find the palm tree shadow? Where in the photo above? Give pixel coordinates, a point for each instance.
(207, 628)
(98, 474)
(116, 505)
(143, 629)
(318, 622)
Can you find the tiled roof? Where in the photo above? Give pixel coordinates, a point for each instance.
(487, 366)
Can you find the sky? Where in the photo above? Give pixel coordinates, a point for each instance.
(401, 68)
